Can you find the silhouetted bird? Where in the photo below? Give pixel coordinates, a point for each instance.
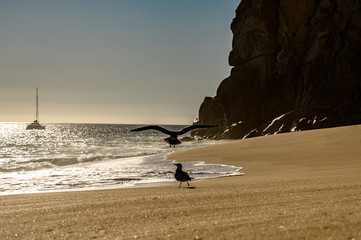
(173, 139)
(180, 175)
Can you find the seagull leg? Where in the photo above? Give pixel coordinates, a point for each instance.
(180, 184)
(187, 183)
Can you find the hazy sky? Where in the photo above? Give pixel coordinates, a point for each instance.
(112, 61)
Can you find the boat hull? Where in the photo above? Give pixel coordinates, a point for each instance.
(35, 125)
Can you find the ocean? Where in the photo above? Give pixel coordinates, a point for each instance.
(68, 157)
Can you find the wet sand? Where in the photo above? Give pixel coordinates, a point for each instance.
(304, 185)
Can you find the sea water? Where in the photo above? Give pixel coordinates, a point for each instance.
(66, 157)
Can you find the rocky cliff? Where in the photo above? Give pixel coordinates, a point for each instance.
(296, 66)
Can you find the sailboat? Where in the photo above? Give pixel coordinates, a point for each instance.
(36, 124)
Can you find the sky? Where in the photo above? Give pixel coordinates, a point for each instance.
(112, 61)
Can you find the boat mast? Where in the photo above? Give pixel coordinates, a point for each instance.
(37, 107)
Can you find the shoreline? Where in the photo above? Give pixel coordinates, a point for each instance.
(296, 185)
(161, 157)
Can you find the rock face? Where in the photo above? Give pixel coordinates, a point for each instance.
(296, 66)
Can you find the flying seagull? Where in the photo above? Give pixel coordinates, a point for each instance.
(172, 140)
(180, 175)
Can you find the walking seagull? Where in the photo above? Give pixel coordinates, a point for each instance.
(173, 139)
(181, 176)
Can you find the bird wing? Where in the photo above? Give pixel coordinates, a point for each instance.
(152, 127)
(186, 176)
(191, 127)
(182, 176)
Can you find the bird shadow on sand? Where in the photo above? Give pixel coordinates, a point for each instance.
(190, 187)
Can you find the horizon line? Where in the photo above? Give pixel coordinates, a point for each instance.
(100, 123)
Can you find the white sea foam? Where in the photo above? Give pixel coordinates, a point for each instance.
(117, 173)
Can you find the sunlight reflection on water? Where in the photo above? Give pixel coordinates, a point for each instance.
(89, 156)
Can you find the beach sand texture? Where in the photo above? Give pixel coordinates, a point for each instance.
(303, 185)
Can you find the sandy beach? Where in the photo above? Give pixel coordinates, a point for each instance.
(302, 185)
